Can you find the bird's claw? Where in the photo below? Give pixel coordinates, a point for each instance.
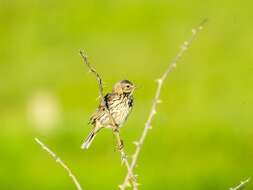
(121, 145)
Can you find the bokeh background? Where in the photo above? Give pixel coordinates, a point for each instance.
(202, 136)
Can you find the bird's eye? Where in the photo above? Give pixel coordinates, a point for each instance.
(128, 86)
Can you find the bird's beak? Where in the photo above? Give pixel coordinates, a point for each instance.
(133, 89)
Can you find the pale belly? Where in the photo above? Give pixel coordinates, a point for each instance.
(119, 113)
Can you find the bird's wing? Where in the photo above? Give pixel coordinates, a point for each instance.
(131, 102)
(101, 110)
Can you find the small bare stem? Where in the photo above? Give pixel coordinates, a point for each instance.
(93, 70)
(241, 186)
(59, 161)
(156, 100)
(115, 130)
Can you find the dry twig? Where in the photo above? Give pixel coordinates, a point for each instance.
(241, 186)
(58, 160)
(156, 100)
(115, 130)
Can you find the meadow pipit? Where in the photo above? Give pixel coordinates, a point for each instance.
(119, 103)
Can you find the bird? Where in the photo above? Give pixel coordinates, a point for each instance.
(119, 103)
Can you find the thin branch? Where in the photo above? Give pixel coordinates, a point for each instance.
(241, 186)
(156, 100)
(115, 129)
(59, 161)
(93, 70)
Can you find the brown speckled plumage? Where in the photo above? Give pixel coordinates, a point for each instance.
(119, 102)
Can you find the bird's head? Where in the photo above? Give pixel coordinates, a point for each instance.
(124, 87)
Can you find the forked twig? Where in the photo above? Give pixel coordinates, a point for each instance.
(58, 160)
(115, 130)
(156, 100)
(241, 186)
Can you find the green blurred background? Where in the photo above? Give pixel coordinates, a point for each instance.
(202, 136)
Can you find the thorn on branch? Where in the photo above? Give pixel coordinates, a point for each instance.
(186, 43)
(159, 101)
(137, 143)
(159, 81)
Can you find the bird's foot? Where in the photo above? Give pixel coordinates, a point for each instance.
(115, 130)
(121, 144)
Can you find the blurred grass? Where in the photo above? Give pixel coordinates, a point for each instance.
(202, 136)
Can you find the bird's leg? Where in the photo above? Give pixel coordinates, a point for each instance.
(116, 144)
(115, 128)
(120, 142)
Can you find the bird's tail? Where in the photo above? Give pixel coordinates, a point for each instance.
(88, 140)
